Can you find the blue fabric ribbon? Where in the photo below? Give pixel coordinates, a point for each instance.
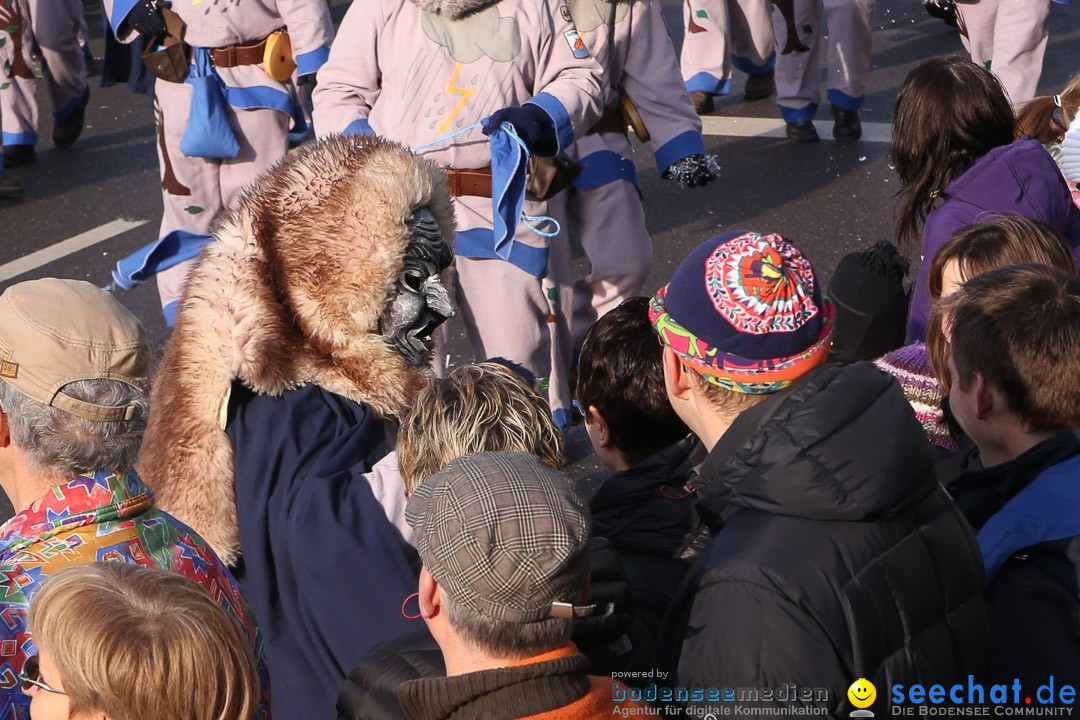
(208, 133)
(163, 253)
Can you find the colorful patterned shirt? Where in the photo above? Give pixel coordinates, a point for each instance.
(102, 516)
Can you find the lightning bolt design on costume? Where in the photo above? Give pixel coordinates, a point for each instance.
(465, 95)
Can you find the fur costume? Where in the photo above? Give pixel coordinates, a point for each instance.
(290, 293)
(454, 9)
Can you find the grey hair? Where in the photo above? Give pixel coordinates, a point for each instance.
(61, 445)
(503, 639)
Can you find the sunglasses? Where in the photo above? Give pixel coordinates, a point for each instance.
(30, 677)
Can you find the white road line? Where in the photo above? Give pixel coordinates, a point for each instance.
(774, 128)
(66, 247)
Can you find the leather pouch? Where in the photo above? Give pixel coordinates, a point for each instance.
(172, 62)
(550, 176)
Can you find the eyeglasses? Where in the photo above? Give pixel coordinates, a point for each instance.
(579, 407)
(30, 677)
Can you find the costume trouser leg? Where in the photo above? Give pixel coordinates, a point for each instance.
(705, 58)
(848, 61)
(56, 25)
(511, 314)
(753, 44)
(1009, 37)
(610, 224)
(18, 105)
(799, 34)
(195, 190)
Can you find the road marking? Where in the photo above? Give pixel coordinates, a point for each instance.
(66, 247)
(774, 128)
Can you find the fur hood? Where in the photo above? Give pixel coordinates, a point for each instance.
(454, 9)
(290, 293)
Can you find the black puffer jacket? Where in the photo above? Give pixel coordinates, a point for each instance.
(835, 553)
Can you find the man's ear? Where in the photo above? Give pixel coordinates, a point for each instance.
(676, 379)
(603, 430)
(430, 598)
(985, 397)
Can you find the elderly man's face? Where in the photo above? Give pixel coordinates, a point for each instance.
(421, 302)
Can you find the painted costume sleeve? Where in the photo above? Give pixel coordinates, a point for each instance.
(651, 79)
(116, 11)
(310, 32)
(350, 80)
(734, 625)
(568, 85)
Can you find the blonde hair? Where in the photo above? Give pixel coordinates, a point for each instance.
(484, 407)
(134, 642)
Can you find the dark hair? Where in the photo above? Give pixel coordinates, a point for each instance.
(1020, 327)
(621, 373)
(1004, 240)
(1046, 121)
(948, 114)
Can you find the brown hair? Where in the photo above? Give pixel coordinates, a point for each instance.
(1044, 120)
(1004, 240)
(1020, 327)
(621, 373)
(485, 407)
(134, 642)
(948, 114)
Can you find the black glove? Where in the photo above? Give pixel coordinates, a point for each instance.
(533, 125)
(145, 17)
(693, 170)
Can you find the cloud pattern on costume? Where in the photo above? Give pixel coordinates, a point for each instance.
(482, 34)
(590, 14)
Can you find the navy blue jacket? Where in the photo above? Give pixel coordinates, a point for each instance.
(323, 568)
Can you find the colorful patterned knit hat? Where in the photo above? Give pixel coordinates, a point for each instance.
(745, 312)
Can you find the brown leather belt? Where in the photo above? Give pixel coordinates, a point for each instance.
(233, 55)
(610, 122)
(475, 182)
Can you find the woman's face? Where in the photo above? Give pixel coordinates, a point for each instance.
(45, 705)
(950, 278)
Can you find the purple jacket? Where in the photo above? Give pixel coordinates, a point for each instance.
(1019, 178)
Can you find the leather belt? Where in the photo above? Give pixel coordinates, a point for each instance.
(233, 55)
(610, 122)
(476, 182)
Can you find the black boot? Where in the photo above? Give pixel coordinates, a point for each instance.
(760, 86)
(16, 155)
(9, 186)
(847, 125)
(703, 102)
(802, 131)
(67, 130)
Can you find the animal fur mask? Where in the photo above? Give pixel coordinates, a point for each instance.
(290, 293)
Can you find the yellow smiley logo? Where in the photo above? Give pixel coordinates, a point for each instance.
(862, 693)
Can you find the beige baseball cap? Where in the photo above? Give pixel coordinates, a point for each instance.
(54, 332)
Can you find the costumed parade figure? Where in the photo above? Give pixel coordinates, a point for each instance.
(304, 332)
(719, 34)
(224, 105)
(49, 29)
(799, 37)
(631, 42)
(417, 71)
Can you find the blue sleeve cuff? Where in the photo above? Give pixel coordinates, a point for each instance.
(564, 128)
(678, 147)
(309, 62)
(121, 9)
(359, 127)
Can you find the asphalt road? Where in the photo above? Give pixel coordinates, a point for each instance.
(828, 198)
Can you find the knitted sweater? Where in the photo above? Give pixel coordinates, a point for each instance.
(552, 686)
(911, 367)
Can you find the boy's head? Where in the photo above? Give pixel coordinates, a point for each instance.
(1014, 358)
(620, 387)
(485, 407)
(742, 317)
